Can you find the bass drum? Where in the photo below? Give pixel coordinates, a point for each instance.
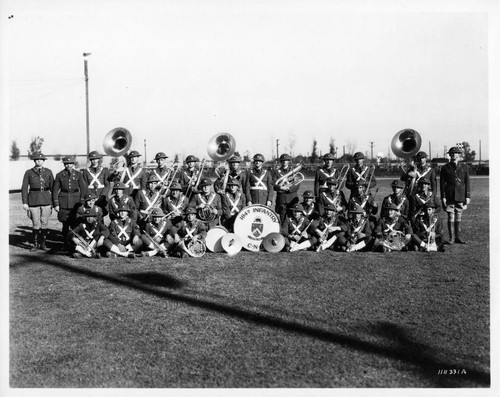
(253, 223)
(213, 239)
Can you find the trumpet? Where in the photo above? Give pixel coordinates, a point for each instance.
(292, 178)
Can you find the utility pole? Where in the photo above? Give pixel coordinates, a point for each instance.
(86, 74)
(277, 151)
(371, 146)
(343, 156)
(480, 152)
(145, 155)
(430, 152)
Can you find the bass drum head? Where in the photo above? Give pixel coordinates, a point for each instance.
(231, 243)
(253, 223)
(213, 239)
(273, 242)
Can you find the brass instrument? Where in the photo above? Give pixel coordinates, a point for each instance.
(405, 144)
(194, 248)
(84, 245)
(291, 178)
(157, 246)
(170, 178)
(197, 176)
(220, 148)
(206, 214)
(115, 144)
(343, 174)
(371, 172)
(431, 237)
(394, 241)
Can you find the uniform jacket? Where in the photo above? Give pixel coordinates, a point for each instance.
(290, 226)
(353, 226)
(135, 179)
(97, 180)
(183, 229)
(81, 209)
(420, 199)
(146, 200)
(178, 205)
(260, 186)
(323, 223)
(358, 173)
(162, 173)
(285, 197)
(455, 182)
(232, 204)
(311, 212)
(366, 202)
(322, 174)
(386, 225)
(123, 231)
(427, 171)
(158, 232)
(212, 199)
(402, 202)
(126, 201)
(37, 187)
(421, 228)
(89, 232)
(188, 178)
(69, 189)
(338, 200)
(239, 175)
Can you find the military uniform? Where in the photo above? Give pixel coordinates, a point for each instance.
(260, 183)
(359, 173)
(88, 198)
(235, 174)
(189, 176)
(36, 195)
(398, 198)
(387, 225)
(335, 198)
(296, 231)
(97, 180)
(365, 201)
(156, 229)
(418, 171)
(286, 194)
(162, 172)
(67, 193)
(185, 231)
(116, 201)
(329, 227)
(207, 201)
(427, 230)
(310, 210)
(175, 206)
(357, 230)
(421, 198)
(133, 176)
(148, 199)
(92, 234)
(232, 204)
(323, 173)
(455, 193)
(124, 237)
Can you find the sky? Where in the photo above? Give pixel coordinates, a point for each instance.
(175, 73)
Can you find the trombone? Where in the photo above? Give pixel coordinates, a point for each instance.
(197, 176)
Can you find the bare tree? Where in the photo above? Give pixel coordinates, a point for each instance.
(35, 146)
(291, 143)
(14, 151)
(331, 145)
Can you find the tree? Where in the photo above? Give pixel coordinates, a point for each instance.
(469, 155)
(176, 158)
(314, 152)
(35, 146)
(247, 156)
(14, 151)
(291, 143)
(331, 145)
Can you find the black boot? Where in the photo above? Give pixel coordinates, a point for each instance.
(35, 246)
(458, 240)
(451, 232)
(43, 244)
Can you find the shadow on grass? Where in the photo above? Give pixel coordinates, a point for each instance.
(24, 234)
(401, 345)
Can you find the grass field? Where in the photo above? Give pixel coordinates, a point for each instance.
(255, 319)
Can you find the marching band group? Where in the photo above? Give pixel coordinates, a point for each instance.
(167, 211)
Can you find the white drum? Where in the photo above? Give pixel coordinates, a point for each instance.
(213, 239)
(253, 223)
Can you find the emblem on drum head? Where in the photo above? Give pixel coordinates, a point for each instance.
(253, 223)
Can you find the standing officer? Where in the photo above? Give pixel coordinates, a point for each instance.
(67, 193)
(260, 183)
(286, 195)
(97, 179)
(359, 173)
(455, 192)
(36, 194)
(323, 173)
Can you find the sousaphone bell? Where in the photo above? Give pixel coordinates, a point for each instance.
(406, 143)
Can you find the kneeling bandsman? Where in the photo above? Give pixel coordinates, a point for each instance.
(328, 229)
(89, 235)
(124, 237)
(357, 231)
(155, 234)
(175, 203)
(397, 197)
(182, 233)
(120, 199)
(392, 232)
(332, 196)
(428, 230)
(207, 203)
(295, 230)
(310, 210)
(233, 200)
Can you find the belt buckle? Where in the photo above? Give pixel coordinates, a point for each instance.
(42, 189)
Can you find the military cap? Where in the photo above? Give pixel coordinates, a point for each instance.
(329, 207)
(332, 181)
(38, 156)
(258, 157)
(454, 149)
(95, 155)
(421, 155)
(285, 157)
(233, 181)
(424, 179)
(189, 210)
(430, 204)
(391, 206)
(90, 212)
(119, 185)
(123, 208)
(358, 155)
(297, 208)
(175, 186)
(397, 183)
(134, 153)
(328, 156)
(89, 196)
(308, 194)
(152, 178)
(205, 182)
(234, 159)
(68, 160)
(157, 213)
(356, 209)
(161, 155)
(191, 159)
